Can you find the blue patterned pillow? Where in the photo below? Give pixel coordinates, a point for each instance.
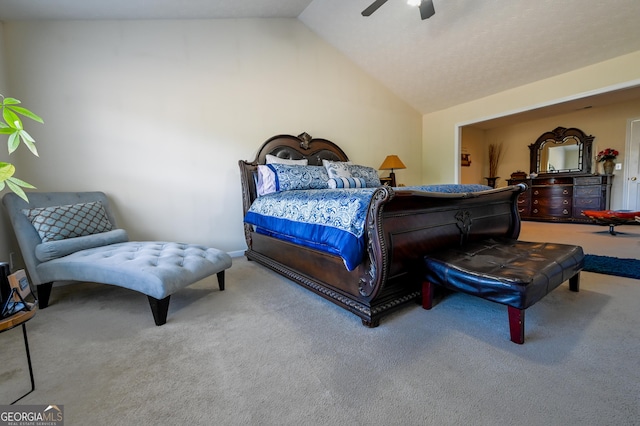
(369, 174)
(344, 182)
(337, 169)
(69, 221)
(289, 177)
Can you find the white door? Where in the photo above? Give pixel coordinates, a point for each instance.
(632, 167)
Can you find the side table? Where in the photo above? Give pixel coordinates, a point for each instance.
(13, 321)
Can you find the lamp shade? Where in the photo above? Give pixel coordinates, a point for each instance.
(392, 162)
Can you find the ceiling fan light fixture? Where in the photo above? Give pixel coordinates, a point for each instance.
(426, 9)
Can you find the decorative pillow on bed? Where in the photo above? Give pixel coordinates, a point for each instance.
(345, 182)
(272, 159)
(266, 181)
(289, 178)
(337, 169)
(369, 174)
(69, 221)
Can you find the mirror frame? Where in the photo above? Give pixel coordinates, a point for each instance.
(559, 135)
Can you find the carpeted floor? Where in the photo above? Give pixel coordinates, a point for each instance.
(609, 265)
(268, 352)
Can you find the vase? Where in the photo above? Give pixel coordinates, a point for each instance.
(491, 181)
(608, 166)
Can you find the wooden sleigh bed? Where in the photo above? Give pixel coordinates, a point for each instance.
(401, 227)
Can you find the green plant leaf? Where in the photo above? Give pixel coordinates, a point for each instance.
(29, 142)
(15, 188)
(6, 130)
(21, 183)
(26, 136)
(10, 101)
(26, 113)
(13, 142)
(11, 118)
(6, 171)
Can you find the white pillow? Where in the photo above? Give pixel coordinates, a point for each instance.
(272, 159)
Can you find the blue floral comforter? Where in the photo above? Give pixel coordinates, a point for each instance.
(330, 220)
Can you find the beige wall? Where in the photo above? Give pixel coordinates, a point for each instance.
(158, 113)
(474, 144)
(5, 230)
(441, 130)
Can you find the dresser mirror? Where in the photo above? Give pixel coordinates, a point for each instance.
(565, 151)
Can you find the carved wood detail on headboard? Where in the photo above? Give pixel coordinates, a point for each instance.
(302, 146)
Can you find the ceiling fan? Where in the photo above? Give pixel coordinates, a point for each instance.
(426, 7)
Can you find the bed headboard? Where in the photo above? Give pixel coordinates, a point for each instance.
(290, 147)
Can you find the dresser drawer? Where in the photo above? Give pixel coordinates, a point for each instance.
(551, 191)
(551, 202)
(588, 191)
(553, 181)
(547, 211)
(590, 180)
(588, 203)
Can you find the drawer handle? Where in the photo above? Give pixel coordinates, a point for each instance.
(535, 201)
(565, 211)
(565, 192)
(535, 210)
(536, 192)
(565, 202)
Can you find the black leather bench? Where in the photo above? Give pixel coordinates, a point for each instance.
(511, 272)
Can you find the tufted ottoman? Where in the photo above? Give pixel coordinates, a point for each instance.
(514, 273)
(157, 269)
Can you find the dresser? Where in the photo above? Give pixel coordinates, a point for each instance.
(563, 198)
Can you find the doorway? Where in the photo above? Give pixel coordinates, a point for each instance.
(632, 166)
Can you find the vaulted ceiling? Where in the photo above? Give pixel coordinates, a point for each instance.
(468, 50)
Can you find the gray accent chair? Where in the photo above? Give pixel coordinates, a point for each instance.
(154, 268)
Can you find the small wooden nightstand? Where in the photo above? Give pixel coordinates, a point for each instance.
(387, 181)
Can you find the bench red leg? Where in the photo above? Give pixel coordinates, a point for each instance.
(574, 282)
(516, 324)
(427, 295)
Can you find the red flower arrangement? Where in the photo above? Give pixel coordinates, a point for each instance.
(607, 154)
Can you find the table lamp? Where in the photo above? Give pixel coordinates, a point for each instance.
(390, 163)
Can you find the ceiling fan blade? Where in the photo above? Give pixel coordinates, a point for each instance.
(373, 7)
(426, 9)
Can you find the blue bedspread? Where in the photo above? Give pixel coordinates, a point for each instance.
(330, 220)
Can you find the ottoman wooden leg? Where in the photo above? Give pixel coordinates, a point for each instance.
(516, 325)
(427, 295)
(574, 282)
